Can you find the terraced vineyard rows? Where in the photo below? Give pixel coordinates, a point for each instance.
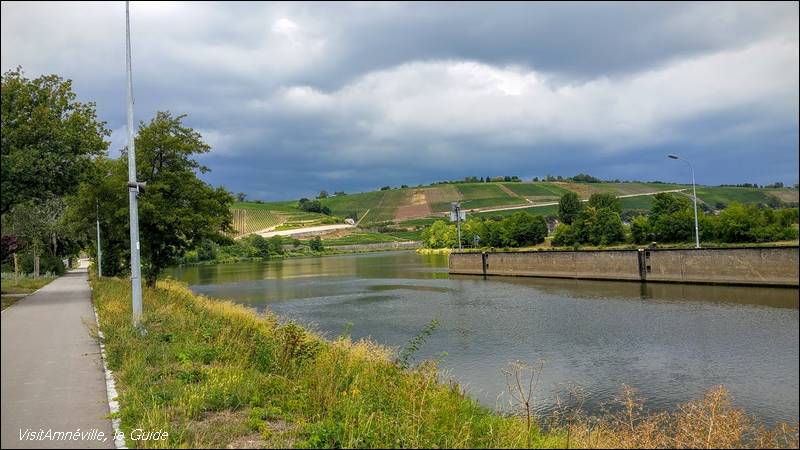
(247, 221)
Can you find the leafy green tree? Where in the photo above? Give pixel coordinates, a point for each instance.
(641, 230)
(606, 228)
(569, 207)
(605, 200)
(677, 226)
(240, 197)
(208, 250)
(523, 229)
(177, 210)
(563, 235)
(40, 224)
(276, 245)
(104, 196)
(668, 203)
(440, 235)
(48, 138)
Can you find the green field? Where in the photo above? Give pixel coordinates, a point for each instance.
(342, 205)
(643, 202)
(727, 195)
(362, 238)
(536, 189)
(484, 195)
(550, 210)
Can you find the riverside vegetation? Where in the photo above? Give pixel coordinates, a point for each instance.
(215, 374)
(599, 222)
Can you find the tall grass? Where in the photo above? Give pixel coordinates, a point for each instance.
(215, 374)
(204, 361)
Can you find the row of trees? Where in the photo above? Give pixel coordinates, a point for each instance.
(598, 222)
(670, 220)
(316, 206)
(518, 230)
(57, 180)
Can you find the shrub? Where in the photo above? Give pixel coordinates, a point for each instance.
(47, 264)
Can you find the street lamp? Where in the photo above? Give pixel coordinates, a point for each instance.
(133, 186)
(694, 196)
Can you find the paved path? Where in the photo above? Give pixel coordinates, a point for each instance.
(52, 373)
(539, 205)
(321, 229)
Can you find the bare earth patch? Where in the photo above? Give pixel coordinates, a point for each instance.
(418, 207)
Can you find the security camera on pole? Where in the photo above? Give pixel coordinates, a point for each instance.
(457, 215)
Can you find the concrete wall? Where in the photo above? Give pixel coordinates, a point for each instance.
(756, 266)
(763, 266)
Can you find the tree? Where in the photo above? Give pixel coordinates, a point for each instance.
(569, 207)
(48, 138)
(276, 245)
(315, 244)
(323, 194)
(605, 200)
(240, 197)
(440, 235)
(641, 230)
(667, 203)
(523, 229)
(564, 235)
(606, 228)
(177, 210)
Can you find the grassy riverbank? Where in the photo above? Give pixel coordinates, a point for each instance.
(215, 374)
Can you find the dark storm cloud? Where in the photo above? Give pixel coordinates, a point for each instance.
(300, 97)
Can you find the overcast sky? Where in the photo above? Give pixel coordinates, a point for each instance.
(299, 97)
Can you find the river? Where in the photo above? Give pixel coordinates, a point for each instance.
(669, 341)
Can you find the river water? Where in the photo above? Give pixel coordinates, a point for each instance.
(669, 341)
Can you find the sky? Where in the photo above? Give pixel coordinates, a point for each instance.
(295, 98)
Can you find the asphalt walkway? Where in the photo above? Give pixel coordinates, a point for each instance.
(52, 373)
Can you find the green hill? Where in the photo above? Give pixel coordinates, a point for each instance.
(414, 207)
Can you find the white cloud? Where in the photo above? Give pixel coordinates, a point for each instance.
(452, 99)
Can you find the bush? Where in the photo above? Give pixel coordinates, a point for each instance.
(563, 237)
(47, 264)
(315, 244)
(207, 251)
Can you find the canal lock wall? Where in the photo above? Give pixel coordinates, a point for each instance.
(761, 266)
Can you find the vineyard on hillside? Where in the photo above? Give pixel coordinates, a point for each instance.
(247, 221)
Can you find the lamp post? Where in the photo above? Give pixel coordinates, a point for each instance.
(99, 251)
(694, 196)
(133, 186)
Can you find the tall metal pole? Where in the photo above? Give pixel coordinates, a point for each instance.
(136, 269)
(694, 197)
(694, 194)
(99, 252)
(458, 223)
